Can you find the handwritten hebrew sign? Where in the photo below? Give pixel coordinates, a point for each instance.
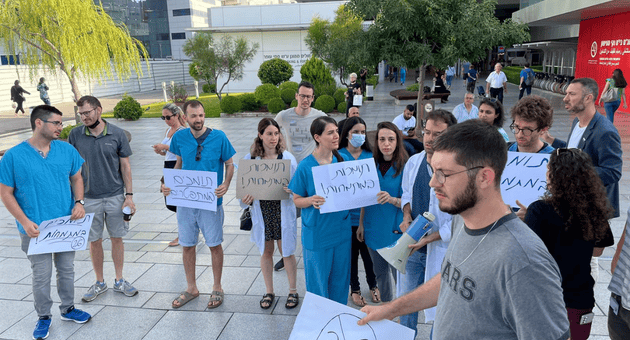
(264, 179)
(191, 189)
(524, 178)
(61, 234)
(324, 319)
(347, 185)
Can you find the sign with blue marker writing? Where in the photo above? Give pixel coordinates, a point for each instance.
(347, 185)
(61, 234)
(264, 179)
(524, 178)
(191, 189)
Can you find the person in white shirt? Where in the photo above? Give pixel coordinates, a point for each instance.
(466, 110)
(406, 123)
(496, 83)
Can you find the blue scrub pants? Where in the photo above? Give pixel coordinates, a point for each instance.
(327, 271)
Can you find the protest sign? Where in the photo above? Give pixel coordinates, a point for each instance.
(61, 234)
(264, 179)
(524, 178)
(321, 318)
(191, 189)
(347, 185)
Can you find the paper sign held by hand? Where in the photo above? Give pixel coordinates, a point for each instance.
(324, 319)
(347, 185)
(524, 178)
(61, 234)
(264, 179)
(191, 189)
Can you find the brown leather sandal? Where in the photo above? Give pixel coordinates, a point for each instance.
(376, 295)
(357, 299)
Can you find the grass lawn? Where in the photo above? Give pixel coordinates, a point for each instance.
(209, 100)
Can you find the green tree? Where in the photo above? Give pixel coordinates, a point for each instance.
(315, 72)
(225, 58)
(417, 33)
(275, 71)
(339, 43)
(75, 35)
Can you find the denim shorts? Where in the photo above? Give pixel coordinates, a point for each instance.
(106, 210)
(190, 221)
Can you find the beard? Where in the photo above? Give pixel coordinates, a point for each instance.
(463, 202)
(197, 126)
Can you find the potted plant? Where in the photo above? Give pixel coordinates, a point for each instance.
(177, 94)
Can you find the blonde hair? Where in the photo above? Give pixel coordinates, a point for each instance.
(176, 110)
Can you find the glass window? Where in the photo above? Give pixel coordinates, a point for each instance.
(178, 36)
(181, 12)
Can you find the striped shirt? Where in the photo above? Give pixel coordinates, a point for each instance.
(620, 282)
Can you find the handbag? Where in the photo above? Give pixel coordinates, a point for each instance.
(357, 100)
(611, 95)
(246, 220)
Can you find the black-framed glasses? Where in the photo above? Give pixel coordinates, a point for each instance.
(305, 96)
(199, 150)
(526, 131)
(55, 123)
(441, 177)
(168, 117)
(85, 113)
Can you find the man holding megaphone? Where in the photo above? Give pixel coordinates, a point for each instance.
(415, 200)
(498, 281)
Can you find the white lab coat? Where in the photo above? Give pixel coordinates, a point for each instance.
(287, 216)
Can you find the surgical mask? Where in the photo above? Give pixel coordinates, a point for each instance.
(357, 140)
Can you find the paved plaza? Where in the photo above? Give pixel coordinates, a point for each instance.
(156, 270)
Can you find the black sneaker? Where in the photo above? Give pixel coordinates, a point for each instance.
(279, 266)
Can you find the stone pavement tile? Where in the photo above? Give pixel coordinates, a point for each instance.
(14, 270)
(602, 298)
(155, 227)
(131, 272)
(130, 256)
(189, 325)
(152, 216)
(148, 197)
(58, 329)
(241, 304)
(12, 252)
(424, 331)
(146, 183)
(13, 311)
(161, 257)
(600, 325)
(165, 278)
(17, 292)
(228, 260)
(240, 246)
(143, 235)
(258, 327)
(119, 322)
(150, 206)
(234, 280)
(155, 247)
(12, 241)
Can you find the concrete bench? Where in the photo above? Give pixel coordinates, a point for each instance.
(412, 95)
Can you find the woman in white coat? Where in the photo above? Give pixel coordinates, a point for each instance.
(273, 220)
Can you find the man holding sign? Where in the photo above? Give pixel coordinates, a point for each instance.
(202, 149)
(40, 179)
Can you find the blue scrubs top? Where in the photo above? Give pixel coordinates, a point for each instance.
(381, 220)
(319, 231)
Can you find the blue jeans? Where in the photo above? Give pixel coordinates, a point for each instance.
(522, 91)
(412, 279)
(610, 108)
(449, 80)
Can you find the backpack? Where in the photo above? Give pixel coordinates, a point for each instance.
(529, 79)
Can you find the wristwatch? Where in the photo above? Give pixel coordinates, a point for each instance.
(82, 202)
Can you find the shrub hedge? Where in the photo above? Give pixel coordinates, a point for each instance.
(325, 103)
(265, 92)
(231, 104)
(276, 105)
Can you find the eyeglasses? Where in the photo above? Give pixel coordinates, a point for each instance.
(168, 117)
(55, 123)
(199, 150)
(526, 131)
(441, 177)
(85, 113)
(305, 96)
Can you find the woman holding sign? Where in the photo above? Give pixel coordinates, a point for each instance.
(572, 221)
(173, 117)
(326, 238)
(273, 219)
(379, 223)
(353, 146)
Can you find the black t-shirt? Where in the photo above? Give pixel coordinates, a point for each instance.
(351, 93)
(572, 255)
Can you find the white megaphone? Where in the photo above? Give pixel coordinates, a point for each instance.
(397, 253)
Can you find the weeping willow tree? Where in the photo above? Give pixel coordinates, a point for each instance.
(75, 35)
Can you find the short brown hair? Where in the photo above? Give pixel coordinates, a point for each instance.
(94, 103)
(534, 109)
(192, 103)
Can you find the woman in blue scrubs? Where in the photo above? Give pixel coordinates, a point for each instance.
(353, 146)
(326, 238)
(379, 223)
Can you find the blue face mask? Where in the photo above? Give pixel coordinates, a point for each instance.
(357, 140)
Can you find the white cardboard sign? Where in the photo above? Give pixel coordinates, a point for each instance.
(61, 234)
(191, 189)
(524, 178)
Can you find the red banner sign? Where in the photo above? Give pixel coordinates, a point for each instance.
(603, 46)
